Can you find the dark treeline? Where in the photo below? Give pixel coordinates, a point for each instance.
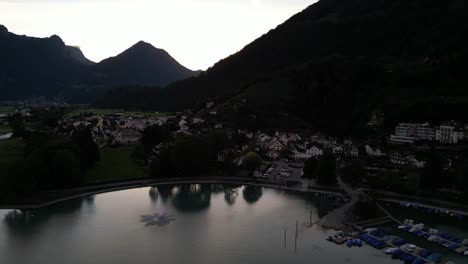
(322, 170)
(49, 160)
(186, 155)
(191, 155)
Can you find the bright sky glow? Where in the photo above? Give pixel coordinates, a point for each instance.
(197, 33)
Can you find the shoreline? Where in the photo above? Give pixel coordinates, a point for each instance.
(58, 196)
(335, 220)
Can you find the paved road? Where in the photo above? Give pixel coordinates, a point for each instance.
(338, 218)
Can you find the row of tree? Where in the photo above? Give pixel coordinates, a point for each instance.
(49, 161)
(322, 170)
(187, 155)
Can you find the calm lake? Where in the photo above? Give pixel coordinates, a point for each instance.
(212, 224)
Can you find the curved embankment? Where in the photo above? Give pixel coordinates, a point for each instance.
(338, 218)
(58, 196)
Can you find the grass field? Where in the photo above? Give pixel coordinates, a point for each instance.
(100, 111)
(4, 129)
(115, 165)
(6, 109)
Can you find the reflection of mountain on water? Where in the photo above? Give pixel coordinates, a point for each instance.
(192, 198)
(252, 194)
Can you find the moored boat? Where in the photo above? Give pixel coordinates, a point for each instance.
(390, 250)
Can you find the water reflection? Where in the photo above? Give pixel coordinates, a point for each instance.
(192, 198)
(252, 194)
(217, 188)
(153, 194)
(230, 196)
(233, 230)
(22, 221)
(165, 191)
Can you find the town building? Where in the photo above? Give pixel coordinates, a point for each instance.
(304, 154)
(127, 136)
(450, 133)
(373, 151)
(408, 133)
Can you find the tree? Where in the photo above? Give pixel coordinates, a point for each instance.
(88, 151)
(432, 173)
(413, 182)
(162, 165)
(65, 169)
(17, 123)
(310, 168)
(251, 161)
(153, 136)
(228, 164)
(193, 155)
(48, 117)
(354, 172)
(461, 170)
(326, 169)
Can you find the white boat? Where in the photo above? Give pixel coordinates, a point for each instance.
(465, 242)
(368, 230)
(466, 253)
(411, 248)
(390, 250)
(404, 247)
(408, 222)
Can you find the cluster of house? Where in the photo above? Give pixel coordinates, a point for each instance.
(294, 146)
(116, 128)
(448, 133)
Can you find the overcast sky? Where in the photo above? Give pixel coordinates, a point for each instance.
(197, 33)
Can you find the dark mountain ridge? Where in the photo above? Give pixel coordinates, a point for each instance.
(143, 64)
(33, 67)
(339, 60)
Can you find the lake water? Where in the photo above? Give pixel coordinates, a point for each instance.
(213, 224)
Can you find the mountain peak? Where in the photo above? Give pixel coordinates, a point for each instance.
(56, 39)
(3, 28)
(142, 45)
